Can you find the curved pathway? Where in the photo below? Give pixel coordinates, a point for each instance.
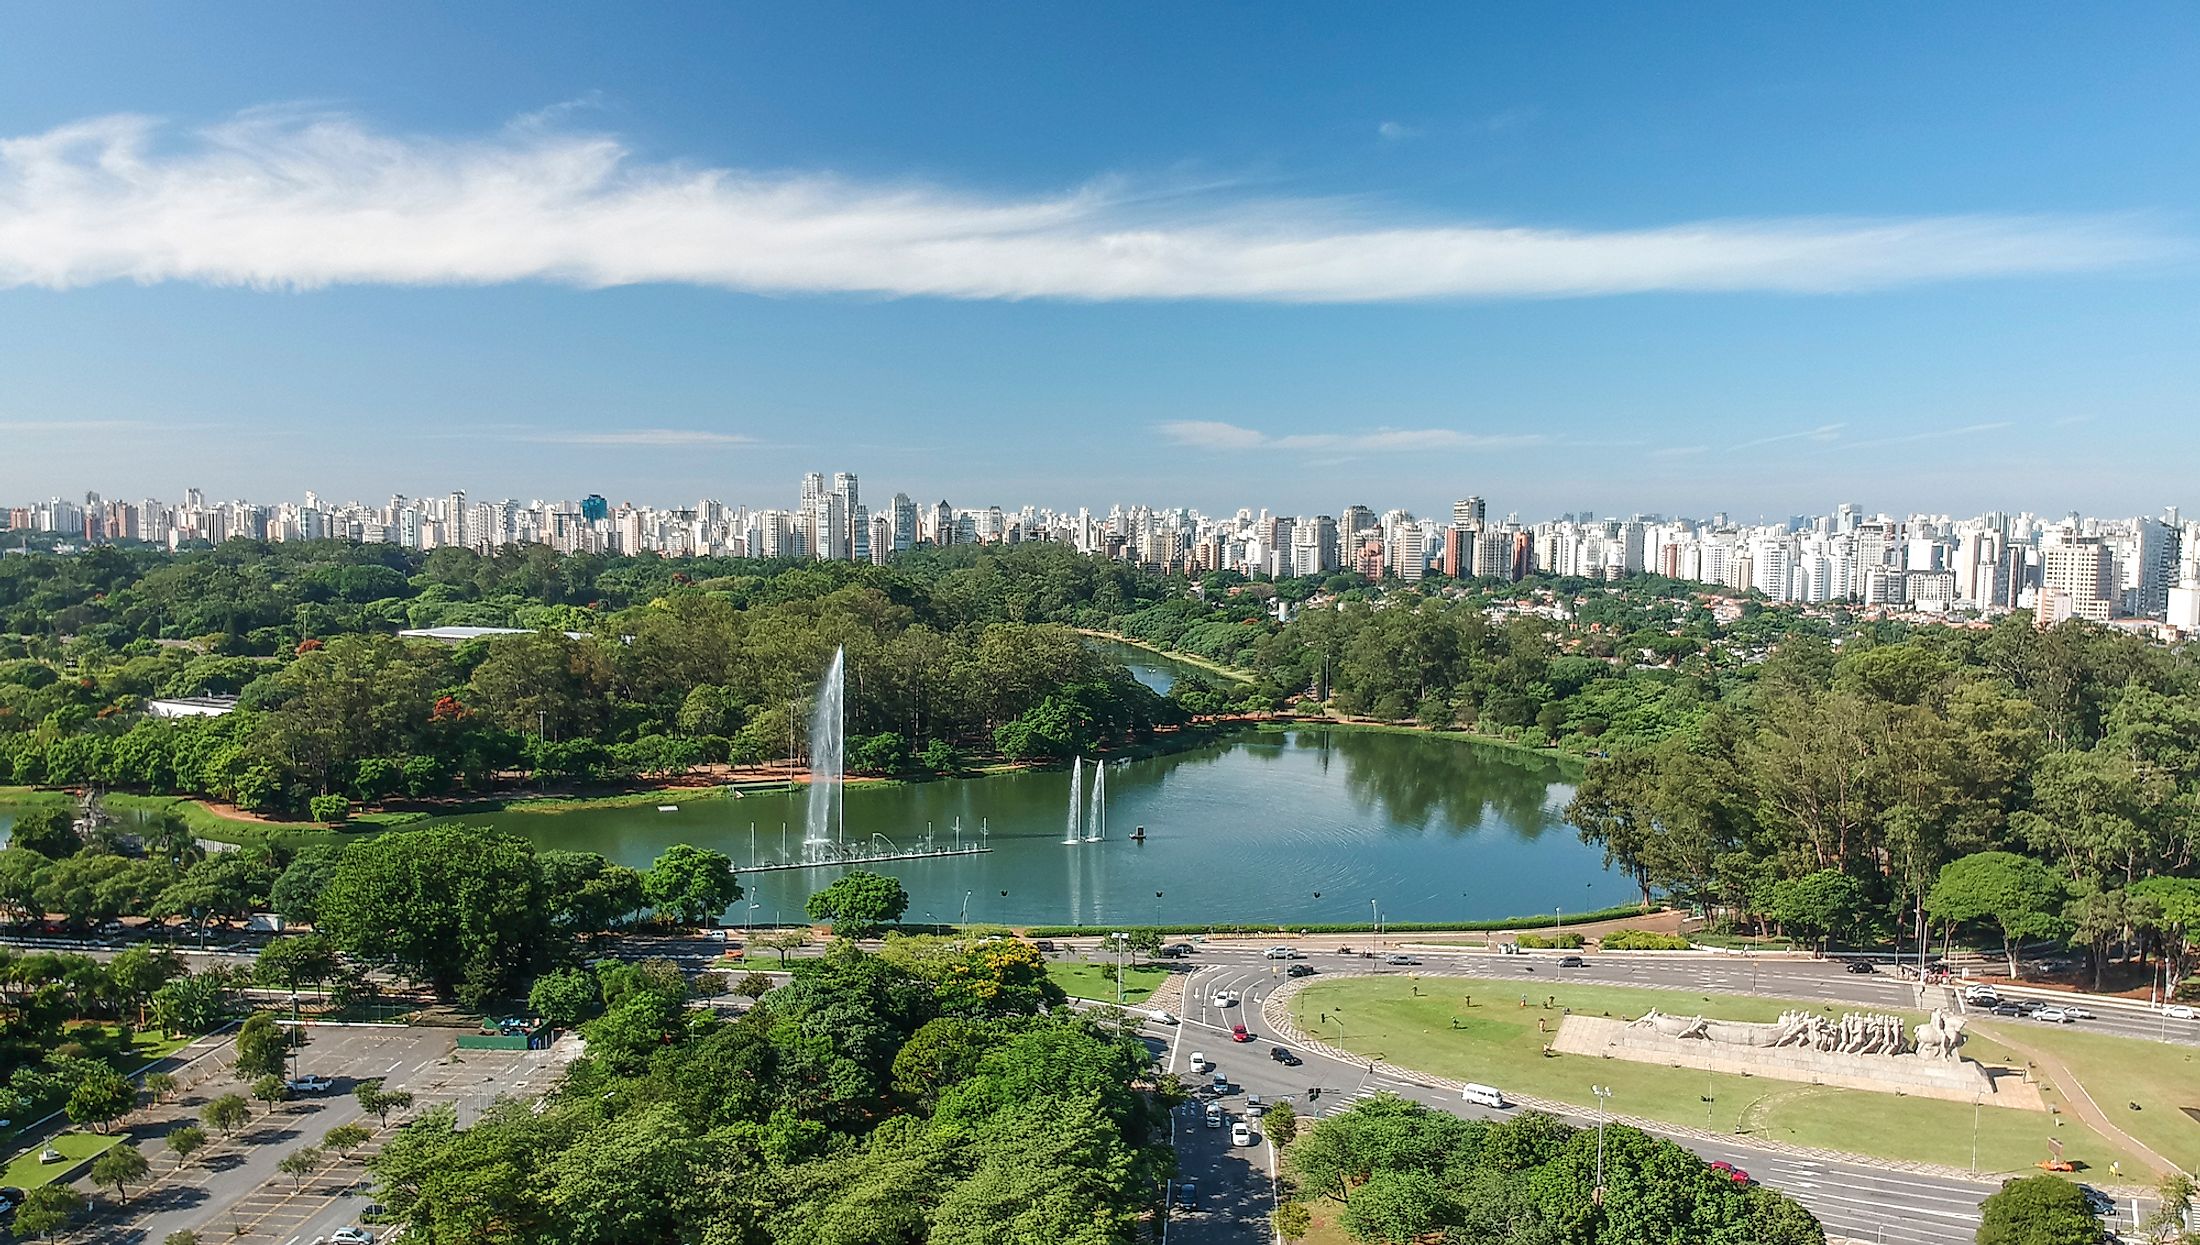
(2081, 1100)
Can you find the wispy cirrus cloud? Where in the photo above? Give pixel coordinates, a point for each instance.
(1209, 434)
(283, 199)
(1824, 434)
(1397, 131)
(644, 437)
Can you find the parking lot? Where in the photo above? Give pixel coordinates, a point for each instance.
(233, 1191)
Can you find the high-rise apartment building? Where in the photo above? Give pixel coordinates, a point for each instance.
(2077, 579)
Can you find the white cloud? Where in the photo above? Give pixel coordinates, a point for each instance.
(1823, 433)
(288, 200)
(658, 437)
(1397, 131)
(1211, 434)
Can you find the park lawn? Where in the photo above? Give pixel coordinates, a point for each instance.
(1494, 1040)
(26, 1172)
(2163, 1079)
(1097, 981)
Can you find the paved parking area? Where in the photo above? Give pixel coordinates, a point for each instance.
(233, 1192)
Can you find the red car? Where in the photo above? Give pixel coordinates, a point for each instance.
(1731, 1172)
(1238, 1034)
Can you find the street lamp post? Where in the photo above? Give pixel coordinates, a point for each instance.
(1974, 1132)
(1377, 909)
(966, 909)
(1603, 1096)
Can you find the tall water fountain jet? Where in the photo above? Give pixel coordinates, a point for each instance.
(1096, 817)
(1076, 831)
(826, 810)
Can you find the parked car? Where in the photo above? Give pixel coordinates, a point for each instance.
(1299, 970)
(1862, 966)
(1239, 1034)
(1241, 1134)
(2100, 1204)
(1284, 1057)
(1572, 961)
(10, 1198)
(309, 1084)
(2054, 1015)
(351, 1236)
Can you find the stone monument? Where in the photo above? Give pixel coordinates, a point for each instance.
(1857, 1050)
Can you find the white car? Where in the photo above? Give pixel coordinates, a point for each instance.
(2053, 1015)
(1241, 1134)
(1214, 1117)
(1199, 1061)
(310, 1085)
(1226, 998)
(351, 1236)
(1282, 953)
(2077, 1013)
(1161, 1017)
(2178, 1011)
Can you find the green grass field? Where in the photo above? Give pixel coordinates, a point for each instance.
(1097, 982)
(26, 1172)
(1494, 1040)
(2163, 1079)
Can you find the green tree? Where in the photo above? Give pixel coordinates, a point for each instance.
(587, 893)
(1281, 1123)
(190, 1004)
(48, 829)
(161, 1086)
(566, 997)
(263, 1047)
(783, 942)
(378, 1101)
(2037, 1210)
(185, 1140)
(1819, 906)
(289, 963)
(447, 906)
(228, 1113)
(692, 885)
(345, 1138)
(270, 1089)
(121, 1166)
(753, 985)
(1293, 1220)
(296, 892)
(859, 903)
(100, 1099)
(138, 972)
(299, 1164)
(48, 1209)
(2018, 896)
(181, 1236)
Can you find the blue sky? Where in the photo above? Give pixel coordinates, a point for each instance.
(1751, 258)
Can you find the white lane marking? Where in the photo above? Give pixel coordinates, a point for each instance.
(1174, 1048)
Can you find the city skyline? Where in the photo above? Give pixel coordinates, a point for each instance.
(1766, 263)
(2136, 570)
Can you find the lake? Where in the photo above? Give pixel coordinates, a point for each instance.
(1305, 825)
(1299, 826)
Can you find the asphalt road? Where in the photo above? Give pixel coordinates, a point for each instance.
(1858, 1200)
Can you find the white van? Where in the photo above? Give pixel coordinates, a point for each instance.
(1482, 1095)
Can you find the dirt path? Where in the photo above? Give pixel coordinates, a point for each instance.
(2080, 1101)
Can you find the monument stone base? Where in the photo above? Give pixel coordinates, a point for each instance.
(1958, 1080)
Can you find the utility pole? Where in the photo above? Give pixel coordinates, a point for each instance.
(1603, 1096)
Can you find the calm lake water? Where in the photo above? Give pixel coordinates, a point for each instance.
(1300, 826)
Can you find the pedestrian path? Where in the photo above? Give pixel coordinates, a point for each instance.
(2080, 1101)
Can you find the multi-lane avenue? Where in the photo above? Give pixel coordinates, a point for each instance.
(1856, 1199)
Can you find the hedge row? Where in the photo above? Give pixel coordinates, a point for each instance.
(1362, 927)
